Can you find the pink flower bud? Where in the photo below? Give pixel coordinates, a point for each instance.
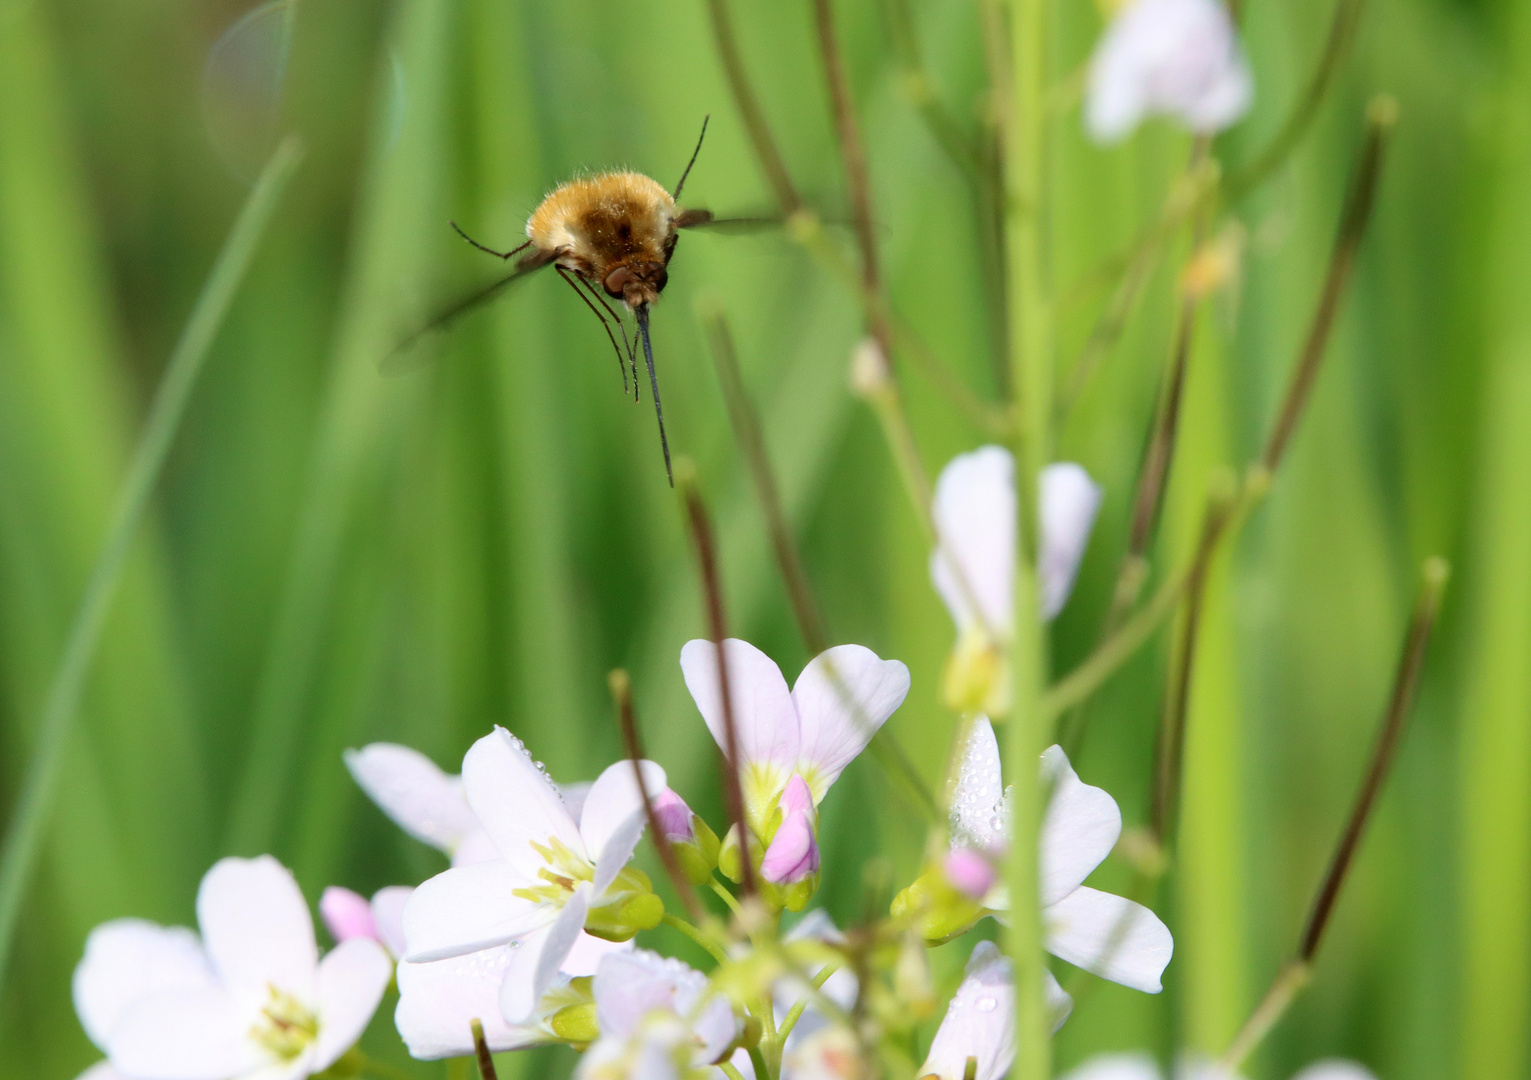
(674, 817)
(794, 851)
(346, 914)
(970, 872)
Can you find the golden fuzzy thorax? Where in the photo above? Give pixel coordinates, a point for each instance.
(593, 225)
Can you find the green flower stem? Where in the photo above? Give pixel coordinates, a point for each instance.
(22, 837)
(730, 1071)
(790, 1021)
(713, 948)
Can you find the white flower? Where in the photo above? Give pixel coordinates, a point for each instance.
(658, 1019)
(428, 803)
(811, 732)
(250, 998)
(1176, 57)
(980, 1021)
(551, 877)
(1143, 1067)
(973, 566)
(1109, 935)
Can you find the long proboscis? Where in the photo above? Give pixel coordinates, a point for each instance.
(642, 313)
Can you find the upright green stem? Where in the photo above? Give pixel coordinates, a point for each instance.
(1021, 79)
(31, 813)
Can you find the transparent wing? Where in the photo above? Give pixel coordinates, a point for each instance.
(408, 354)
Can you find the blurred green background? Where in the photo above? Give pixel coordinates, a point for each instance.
(336, 557)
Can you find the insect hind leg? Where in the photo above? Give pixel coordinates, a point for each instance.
(621, 363)
(485, 248)
(631, 346)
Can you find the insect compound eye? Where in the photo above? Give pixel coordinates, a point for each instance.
(615, 281)
(661, 279)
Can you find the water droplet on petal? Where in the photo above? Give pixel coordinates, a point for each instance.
(987, 1004)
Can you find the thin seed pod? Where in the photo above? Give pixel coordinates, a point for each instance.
(481, 1052)
(627, 720)
(712, 593)
(749, 108)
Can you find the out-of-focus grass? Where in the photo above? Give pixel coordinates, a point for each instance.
(338, 557)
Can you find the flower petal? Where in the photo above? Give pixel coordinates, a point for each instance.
(515, 801)
(765, 719)
(414, 792)
(979, 1022)
(978, 818)
(1335, 1069)
(185, 1035)
(476, 846)
(1081, 826)
(574, 796)
(1067, 501)
(388, 916)
(129, 959)
(1116, 1067)
(843, 697)
(352, 978)
(1059, 1003)
(346, 914)
(588, 952)
(256, 927)
(973, 566)
(535, 963)
(467, 909)
(613, 799)
(629, 986)
(618, 850)
(1111, 936)
(101, 1070)
(438, 1001)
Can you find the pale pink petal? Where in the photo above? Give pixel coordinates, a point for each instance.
(414, 792)
(843, 697)
(346, 914)
(476, 846)
(1079, 829)
(1067, 501)
(535, 963)
(674, 817)
(629, 987)
(388, 916)
(613, 799)
(185, 1035)
(765, 719)
(973, 566)
(977, 812)
(1059, 1003)
(1110, 936)
(256, 927)
(466, 909)
(617, 851)
(574, 796)
(515, 801)
(127, 960)
(1116, 1067)
(588, 952)
(1335, 1070)
(438, 1001)
(979, 1022)
(352, 978)
(971, 872)
(794, 850)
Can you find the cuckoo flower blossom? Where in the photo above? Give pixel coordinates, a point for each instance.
(973, 566)
(1143, 1067)
(793, 744)
(1109, 935)
(1176, 57)
(980, 1021)
(350, 915)
(250, 998)
(551, 878)
(658, 1020)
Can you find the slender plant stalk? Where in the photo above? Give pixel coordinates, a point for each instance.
(749, 108)
(1295, 973)
(700, 527)
(1381, 115)
(62, 706)
(481, 1052)
(621, 685)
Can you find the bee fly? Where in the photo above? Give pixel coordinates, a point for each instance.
(610, 237)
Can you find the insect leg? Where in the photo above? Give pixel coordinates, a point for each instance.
(621, 366)
(692, 162)
(490, 250)
(642, 312)
(632, 346)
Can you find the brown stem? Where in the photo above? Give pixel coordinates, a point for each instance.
(1381, 115)
(712, 591)
(627, 721)
(1293, 976)
(749, 109)
(481, 1051)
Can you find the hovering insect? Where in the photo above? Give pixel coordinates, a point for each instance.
(610, 237)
